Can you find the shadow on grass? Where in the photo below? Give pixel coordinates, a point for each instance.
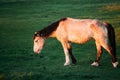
(87, 77)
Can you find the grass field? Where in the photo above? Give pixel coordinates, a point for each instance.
(19, 19)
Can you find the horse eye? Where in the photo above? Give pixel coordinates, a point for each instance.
(36, 41)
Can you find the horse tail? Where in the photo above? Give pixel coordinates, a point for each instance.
(111, 36)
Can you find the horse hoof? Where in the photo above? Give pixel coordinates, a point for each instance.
(95, 64)
(66, 64)
(115, 65)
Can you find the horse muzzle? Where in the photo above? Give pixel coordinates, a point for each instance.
(37, 51)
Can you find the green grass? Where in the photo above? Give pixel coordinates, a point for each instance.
(19, 19)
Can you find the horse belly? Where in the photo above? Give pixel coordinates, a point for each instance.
(79, 38)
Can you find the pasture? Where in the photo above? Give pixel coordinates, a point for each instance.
(19, 19)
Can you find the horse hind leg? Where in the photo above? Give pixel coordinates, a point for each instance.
(99, 53)
(112, 53)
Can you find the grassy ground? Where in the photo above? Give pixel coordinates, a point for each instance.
(19, 19)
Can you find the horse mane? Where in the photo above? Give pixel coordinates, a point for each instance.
(45, 32)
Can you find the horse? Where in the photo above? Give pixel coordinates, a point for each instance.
(68, 30)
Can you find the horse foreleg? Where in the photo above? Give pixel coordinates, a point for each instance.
(67, 58)
(72, 56)
(66, 51)
(99, 53)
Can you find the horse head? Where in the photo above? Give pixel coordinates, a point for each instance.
(38, 42)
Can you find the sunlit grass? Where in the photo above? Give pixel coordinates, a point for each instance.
(112, 7)
(117, 30)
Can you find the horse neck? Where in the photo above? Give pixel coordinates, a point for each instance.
(50, 30)
(53, 34)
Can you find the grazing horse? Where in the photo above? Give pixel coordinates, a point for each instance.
(69, 30)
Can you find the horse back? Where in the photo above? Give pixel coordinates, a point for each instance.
(75, 30)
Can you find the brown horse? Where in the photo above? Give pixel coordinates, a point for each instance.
(69, 30)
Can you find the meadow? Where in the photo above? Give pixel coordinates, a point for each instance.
(19, 19)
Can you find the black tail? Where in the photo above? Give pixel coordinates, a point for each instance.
(111, 35)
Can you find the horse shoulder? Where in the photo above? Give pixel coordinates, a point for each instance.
(61, 31)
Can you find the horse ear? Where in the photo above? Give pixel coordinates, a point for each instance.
(35, 33)
(41, 35)
(38, 34)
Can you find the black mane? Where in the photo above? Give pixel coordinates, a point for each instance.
(50, 28)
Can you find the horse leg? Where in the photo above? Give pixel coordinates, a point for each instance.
(99, 53)
(71, 55)
(113, 55)
(68, 53)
